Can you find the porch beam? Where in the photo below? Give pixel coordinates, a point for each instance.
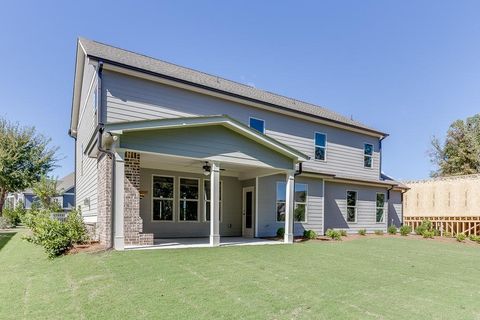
(215, 204)
(289, 204)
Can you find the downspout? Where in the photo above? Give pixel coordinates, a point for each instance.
(380, 147)
(108, 153)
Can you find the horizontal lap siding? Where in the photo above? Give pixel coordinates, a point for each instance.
(86, 177)
(131, 99)
(267, 214)
(336, 208)
(395, 210)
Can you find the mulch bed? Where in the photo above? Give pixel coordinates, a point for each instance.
(91, 247)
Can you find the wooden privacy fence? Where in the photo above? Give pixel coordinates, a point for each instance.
(452, 225)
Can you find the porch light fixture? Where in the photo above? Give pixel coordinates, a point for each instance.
(206, 168)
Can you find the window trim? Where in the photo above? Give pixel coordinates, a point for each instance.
(347, 206)
(205, 201)
(294, 203)
(315, 145)
(385, 202)
(250, 118)
(180, 199)
(366, 155)
(156, 198)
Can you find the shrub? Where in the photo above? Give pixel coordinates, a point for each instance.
(405, 230)
(474, 238)
(334, 234)
(428, 234)
(426, 225)
(436, 232)
(362, 232)
(4, 223)
(379, 232)
(392, 229)
(309, 234)
(343, 233)
(14, 216)
(447, 234)
(461, 237)
(55, 236)
(280, 232)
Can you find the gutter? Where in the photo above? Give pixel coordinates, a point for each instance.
(100, 130)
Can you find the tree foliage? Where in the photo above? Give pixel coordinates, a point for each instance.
(25, 156)
(45, 191)
(460, 153)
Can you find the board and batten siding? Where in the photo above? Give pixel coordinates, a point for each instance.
(230, 224)
(267, 213)
(86, 168)
(133, 99)
(336, 207)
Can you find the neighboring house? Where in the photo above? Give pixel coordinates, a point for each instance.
(452, 203)
(66, 198)
(165, 151)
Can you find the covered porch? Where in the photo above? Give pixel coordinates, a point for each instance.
(186, 243)
(196, 179)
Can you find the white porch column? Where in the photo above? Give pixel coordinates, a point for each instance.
(118, 205)
(289, 205)
(215, 205)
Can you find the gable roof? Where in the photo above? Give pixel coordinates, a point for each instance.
(142, 63)
(223, 120)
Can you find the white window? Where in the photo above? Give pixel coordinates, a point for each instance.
(206, 194)
(162, 197)
(300, 205)
(188, 199)
(320, 146)
(367, 155)
(380, 208)
(257, 124)
(351, 206)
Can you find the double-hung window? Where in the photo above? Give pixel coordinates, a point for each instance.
(207, 195)
(351, 206)
(380, 206)
(188, 199)
(257, 124)
(300, 206)
(367, 155)
(162, 194)
(320, 146)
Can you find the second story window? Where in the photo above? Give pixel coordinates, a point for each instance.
(320, 146)
(367, 155)
(257, 124)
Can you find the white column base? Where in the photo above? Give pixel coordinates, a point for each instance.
(214, 240)
(288, 238)
(119, 243)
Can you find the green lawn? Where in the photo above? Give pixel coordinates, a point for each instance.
(374, 278)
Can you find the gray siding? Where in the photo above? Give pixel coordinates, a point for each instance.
(130, 99)
(86, 168)
(213, 143)
(267, 214)
(336, 208)
(395, 210)
(230, 225)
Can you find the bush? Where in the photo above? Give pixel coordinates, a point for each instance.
(392, 229)
(474, 238)
(379, 232)
(14, 216)
(343, 233)
(461, 237)
(362, 232)
(405, 230)
(447, 234)
(280, 232)
(428, 234)
(55, 236)
(436, 232)
(426, 225)
(334, 234)
(4, 223)
(309, 234)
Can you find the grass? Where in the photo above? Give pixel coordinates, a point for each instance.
(369, 278)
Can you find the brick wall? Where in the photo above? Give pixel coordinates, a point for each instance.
(104, 219)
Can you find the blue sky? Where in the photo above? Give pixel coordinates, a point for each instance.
(405, 67)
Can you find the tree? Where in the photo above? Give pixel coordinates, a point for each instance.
(460, 153)
(45, 190)
(25, 156)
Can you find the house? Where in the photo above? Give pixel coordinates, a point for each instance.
(163, 151)
(451, 203)
(66, 197)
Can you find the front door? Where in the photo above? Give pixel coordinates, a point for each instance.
(248, 212)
